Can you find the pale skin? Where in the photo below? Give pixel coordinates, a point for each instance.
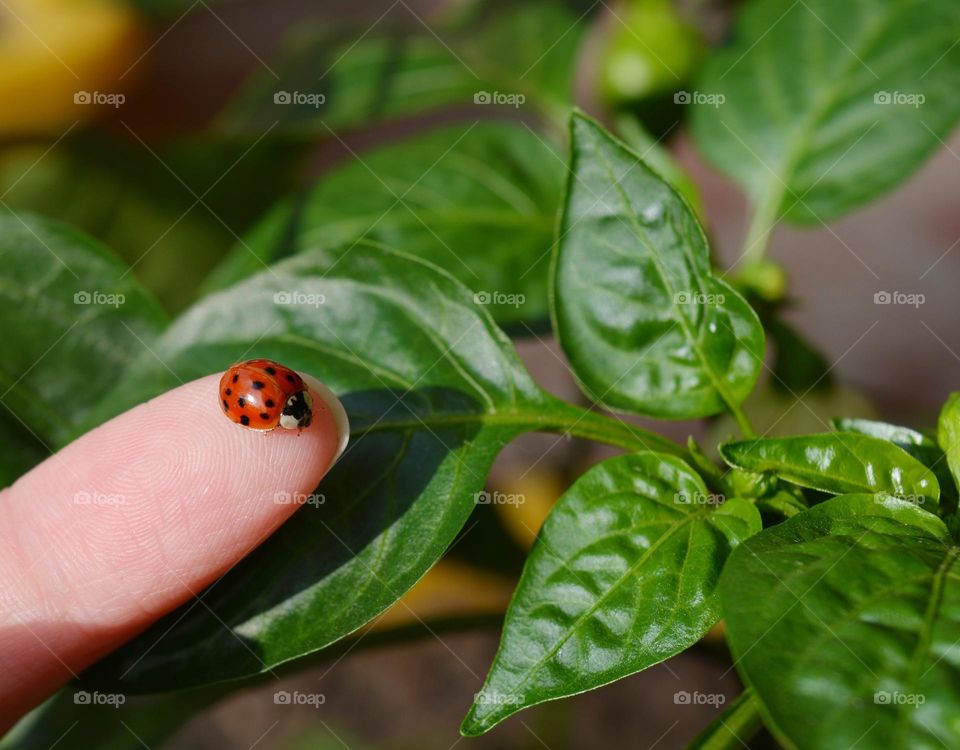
(132, 520)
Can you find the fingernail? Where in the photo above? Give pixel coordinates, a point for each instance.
(339, 414)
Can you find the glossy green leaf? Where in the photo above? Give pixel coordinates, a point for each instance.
(433, 391)
(918, 444)
(519, 56)
(72, 320)
(654, 153)
(902, 436)
(845, 622)
(479, 200)
(819, 106)
(838, 462)
(645, 324)
(622, 576)
(948, 435)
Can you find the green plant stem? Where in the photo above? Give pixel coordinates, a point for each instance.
(572, 420)
(761, 226)
(742, 420)
(733, 728)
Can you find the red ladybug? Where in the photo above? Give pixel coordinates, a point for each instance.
(262, 394)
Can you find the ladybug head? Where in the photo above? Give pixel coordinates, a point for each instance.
(297, 412)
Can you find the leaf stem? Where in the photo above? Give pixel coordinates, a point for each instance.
(572, 420)
(733, 728)
(761, 226)
(743, 422)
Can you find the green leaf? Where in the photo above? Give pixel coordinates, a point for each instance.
(948, 434)
(645, 324)
(845, 620)
(638, 138)
(819, 110)
(479, 200)
(402, 66)
(918, 444)
(838, 462)
(433, 390)
(902, 436)
(73, 319)
(622, 576)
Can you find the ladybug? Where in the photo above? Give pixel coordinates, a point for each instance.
(262, 394)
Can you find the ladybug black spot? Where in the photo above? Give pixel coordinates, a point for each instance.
(244, 420)
(270, 371)
(270, 403)
(228, 392)
(226, 406)
(264, 415)
(235, 377)
(241, 403)
(258, 385)
(291, 378)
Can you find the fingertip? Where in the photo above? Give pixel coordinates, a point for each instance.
(328, 401)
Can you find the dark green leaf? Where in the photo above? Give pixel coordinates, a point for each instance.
(401, 67)
(73, 318)
(621, 577)
(478, 200)
(845, 621)
(821, 105)
(433, 390)
(838, 462)
(75, 719)
(645, 324)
